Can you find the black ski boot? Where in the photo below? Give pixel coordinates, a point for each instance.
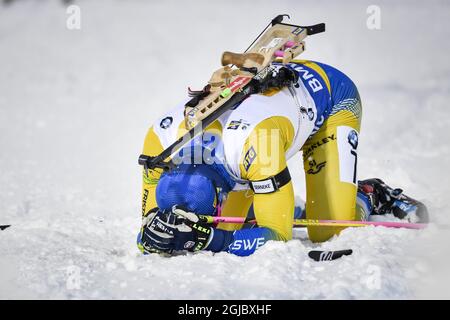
(385, 200)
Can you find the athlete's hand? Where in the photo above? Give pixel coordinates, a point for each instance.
(156, 234)
(178, 229)
(195, 235)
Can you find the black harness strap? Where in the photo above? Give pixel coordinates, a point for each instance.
(271, 184)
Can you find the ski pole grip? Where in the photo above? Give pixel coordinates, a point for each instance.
(239, 59)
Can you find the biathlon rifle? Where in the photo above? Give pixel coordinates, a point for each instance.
(241, 75)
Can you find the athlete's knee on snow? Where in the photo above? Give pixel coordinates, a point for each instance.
(263, 158)
(330, 160)
(275, 211)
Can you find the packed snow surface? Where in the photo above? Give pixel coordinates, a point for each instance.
(75, 106)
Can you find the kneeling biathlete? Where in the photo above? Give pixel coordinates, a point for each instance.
(240, 161)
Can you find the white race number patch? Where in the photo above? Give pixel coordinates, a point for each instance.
(347, 139)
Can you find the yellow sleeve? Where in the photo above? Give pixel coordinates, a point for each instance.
(152, 147)
(264, 156)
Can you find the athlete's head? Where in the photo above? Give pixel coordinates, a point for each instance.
(199, 181)
(194, 187)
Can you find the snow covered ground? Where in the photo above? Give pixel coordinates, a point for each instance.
(75, 106)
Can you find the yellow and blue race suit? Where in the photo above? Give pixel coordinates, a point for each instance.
(319, 116)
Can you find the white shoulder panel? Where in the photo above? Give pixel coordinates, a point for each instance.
(166, 126)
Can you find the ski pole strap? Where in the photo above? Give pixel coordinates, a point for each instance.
(271, 184)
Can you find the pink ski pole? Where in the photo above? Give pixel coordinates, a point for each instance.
(323, 223)
(350, 223)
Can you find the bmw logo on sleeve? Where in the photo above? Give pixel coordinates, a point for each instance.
(353, 139)
(166, 122)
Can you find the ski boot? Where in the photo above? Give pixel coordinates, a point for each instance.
(382, 199)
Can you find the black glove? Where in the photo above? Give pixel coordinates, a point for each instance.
(280, 78)
(178, 229)
(157, 232)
